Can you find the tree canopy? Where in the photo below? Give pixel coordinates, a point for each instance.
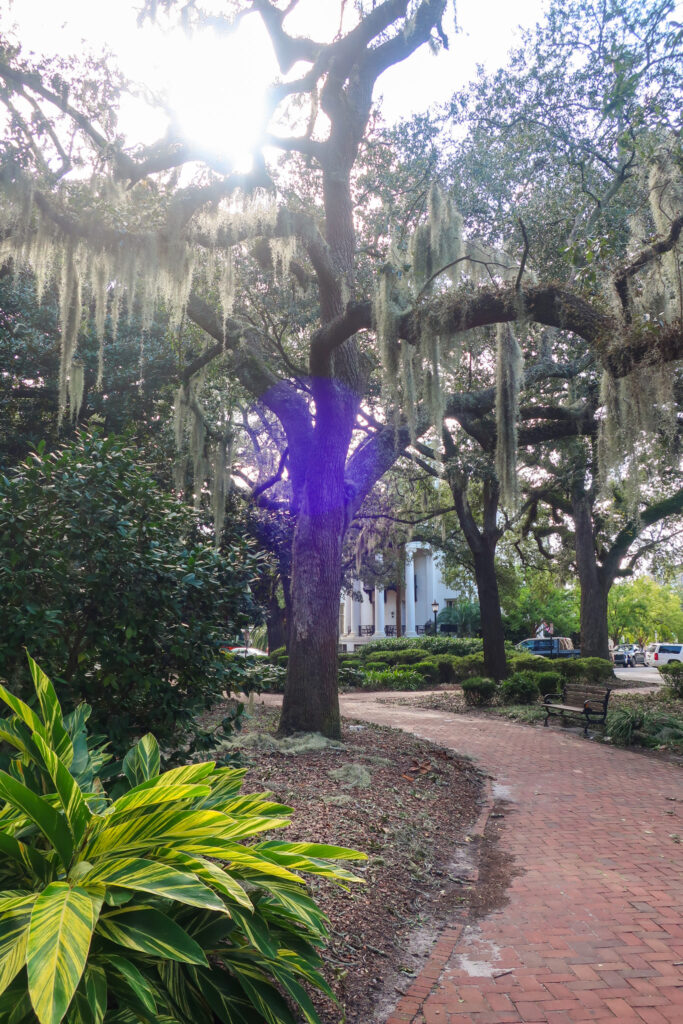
(351, 348)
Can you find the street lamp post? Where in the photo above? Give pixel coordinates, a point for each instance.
(435, 609)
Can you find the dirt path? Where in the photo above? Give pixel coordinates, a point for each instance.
(593, 930)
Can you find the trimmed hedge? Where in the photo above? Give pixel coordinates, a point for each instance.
(428, 669)
(590, 670)
(548, 682)
(673, 673)
(520, 688)
(479, 691)
(428, 645)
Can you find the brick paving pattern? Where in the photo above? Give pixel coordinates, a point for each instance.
(593, 930)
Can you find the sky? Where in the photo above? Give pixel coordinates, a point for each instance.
(202, 77)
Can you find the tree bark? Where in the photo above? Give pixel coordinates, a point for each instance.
(495, 664)
(594, 585)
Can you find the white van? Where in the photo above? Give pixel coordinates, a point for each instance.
(662, 654)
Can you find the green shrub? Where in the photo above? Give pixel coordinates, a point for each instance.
(479, 691)
(429, 645)
(108, 575)
(519, 688)
(266, 676)
(547, 682)
(523, 662)
(589, 670)
(409, 657)
(468, 666)
(646, 727)
(428, 669)
(118, 909)
(350, 675)
(673, 674)
(445, 663)
(279, 656)
(392, 679)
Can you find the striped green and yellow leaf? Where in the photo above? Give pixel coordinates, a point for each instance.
(77, 812)
(152, 932)
(49, 821)
(142, 762)
(58, 737)
(149, 876)
(60, 931)
(15, 917)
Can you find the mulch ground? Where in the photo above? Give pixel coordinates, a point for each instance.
(409, 805)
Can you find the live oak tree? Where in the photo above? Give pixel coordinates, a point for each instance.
(129, 224)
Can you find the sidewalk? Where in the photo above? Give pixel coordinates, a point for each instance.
(593, 930)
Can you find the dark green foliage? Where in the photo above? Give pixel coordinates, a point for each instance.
(646, 727)
(279, 656)
(427, 644)
(446, 666)
(519, 688)
(350, 675)
(479, 691)
(107, 576)
(590, 670)
(397, 678)
(547, 682)
(520, 662)
(673, 673)
(470, 665)
(428, 669)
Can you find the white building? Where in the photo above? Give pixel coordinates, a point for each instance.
(372, 614)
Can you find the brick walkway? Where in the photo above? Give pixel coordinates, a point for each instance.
(593, 930)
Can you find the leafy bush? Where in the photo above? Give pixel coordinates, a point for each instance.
(547, 682)
(589, 670)
(392, 679)
(428, 669)
(479, 691)
(647, 727)
(519, 688)
(118, 910)
(673, 673)
(465, 668)
(263, 675)
(429, 645)
(445, 664)
(279, 656)
(522, 662)
(350, 675)
(104, 573)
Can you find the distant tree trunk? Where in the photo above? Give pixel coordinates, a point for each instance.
(276, 624)
(495, 664)
(594, 584)
(482, 543)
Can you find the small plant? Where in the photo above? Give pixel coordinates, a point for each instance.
(155, 904)
(547, 682)
(350, 675)
(392, 679)
(520, 688)
(645, 726)
(479, 691)
(279, 656)
(673, 673)
(429, 670)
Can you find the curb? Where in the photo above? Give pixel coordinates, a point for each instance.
(410, 1004)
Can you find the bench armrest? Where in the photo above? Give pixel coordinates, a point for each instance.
(552, 698)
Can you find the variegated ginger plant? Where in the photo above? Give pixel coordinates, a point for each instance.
(157, 906)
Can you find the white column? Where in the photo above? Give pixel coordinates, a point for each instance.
(348, 613)
(379, 613)
(355, 608)
(410, 593)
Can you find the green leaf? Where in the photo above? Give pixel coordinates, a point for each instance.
(159, 879)
(149, 797)
(134, 980)
(150, 931)
(78, 814)
(24, 712)
(142, 761)
(31, 860)
(208, 872)
(60, 931)
(52, 713)
(50, 823)
(15, 917)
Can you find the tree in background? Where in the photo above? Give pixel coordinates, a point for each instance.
(642, 610)
(114, 582)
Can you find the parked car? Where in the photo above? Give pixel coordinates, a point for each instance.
(628, 655)
(549, 647)
(244, 652)
(663, 654)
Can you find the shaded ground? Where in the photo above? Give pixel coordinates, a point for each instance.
(410, 805)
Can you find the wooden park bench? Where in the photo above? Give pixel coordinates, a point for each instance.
(577, 698)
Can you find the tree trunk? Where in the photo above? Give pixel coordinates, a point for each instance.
(276, 624)
(594, 587)
(495, 664)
